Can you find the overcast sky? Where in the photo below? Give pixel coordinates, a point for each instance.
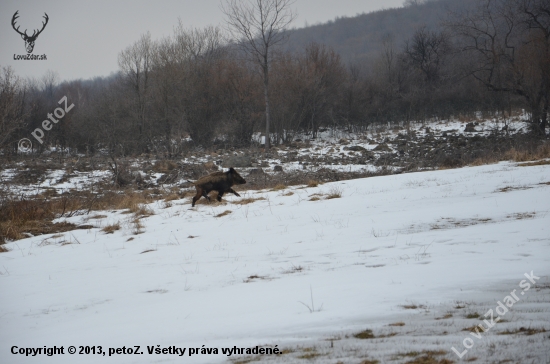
(83, 38)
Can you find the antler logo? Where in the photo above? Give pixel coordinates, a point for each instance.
(29, 40)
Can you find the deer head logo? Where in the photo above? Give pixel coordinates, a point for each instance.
(29, 40)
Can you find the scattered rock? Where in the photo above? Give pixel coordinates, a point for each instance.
(470, 128)
(383, 147)
(237, 161)
(256, 171)
(278, 168)
(210, 166)
(356, 148)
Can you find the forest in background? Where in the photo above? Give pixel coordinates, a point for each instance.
(428, 60)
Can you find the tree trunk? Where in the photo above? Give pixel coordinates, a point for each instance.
(266, 84)
(544, 117)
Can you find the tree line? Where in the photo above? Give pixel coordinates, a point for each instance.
(195, 89)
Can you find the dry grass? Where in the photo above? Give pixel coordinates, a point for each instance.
(310, 353)
(523, 331)
(97, 217)
(253, 277)
(21, 218)
(366, 334)
(522, 215)
(148, 251)
(429, 359)
(164, 166)
(109, 229)
(512, 188)
(542, 152)
(424, 357)
(278, 187)
(413, 307)
(538, 163)
(226, 212)
(313, 183)
(293, 269)
(481, 161)
(247, 200)
(474, 329)
(334, 192)
(172, 197)
(141, 210)
(397, 324)
(247, 360)
(137, 226)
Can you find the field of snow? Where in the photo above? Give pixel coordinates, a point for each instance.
(415, 258)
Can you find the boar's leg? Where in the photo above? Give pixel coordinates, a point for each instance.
(233, 192)
(219, 198)
(197, 196)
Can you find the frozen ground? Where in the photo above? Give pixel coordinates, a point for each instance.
(414, 258)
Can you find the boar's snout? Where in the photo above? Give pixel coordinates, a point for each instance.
(237, 179)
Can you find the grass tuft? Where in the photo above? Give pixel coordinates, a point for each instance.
(366, 334)
(523, 331)
(397, 324)
(313, 183)
(247, 200)
(334, 192)
(109, 229)
(226, 212)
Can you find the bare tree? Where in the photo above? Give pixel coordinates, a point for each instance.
(135, 65)
(12, 108)
(509, 44)
(427, 51)
(259, 26)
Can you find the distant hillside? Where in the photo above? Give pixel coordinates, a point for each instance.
(360, 37)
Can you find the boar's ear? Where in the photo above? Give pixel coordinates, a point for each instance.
(231, 169)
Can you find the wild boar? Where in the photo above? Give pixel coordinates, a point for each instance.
(217, 181)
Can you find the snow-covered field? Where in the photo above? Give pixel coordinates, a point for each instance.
(412, 257)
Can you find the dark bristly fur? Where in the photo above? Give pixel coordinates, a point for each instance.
(217, 181)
